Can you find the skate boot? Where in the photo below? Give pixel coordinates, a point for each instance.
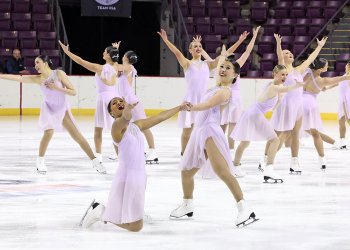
(238, 172)
(40, 165)
(339, 144)
(186, 208)
(152, 156)
(322, 162)
(99, 157)
(96, 164)
(270, 176)
(262, 164)
(93, 216)
(245, 215)
(232, 153)
(294, 166)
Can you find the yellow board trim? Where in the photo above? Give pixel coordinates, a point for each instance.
(149, 112)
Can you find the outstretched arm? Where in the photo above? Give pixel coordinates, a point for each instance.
(67, 88)
(94, 67)
(154, 120)
(219, 97)
(241, 61)
(320, 43)
(333, 81)
(24, 79)
(242, 37)
(284, 89)
(183, 61)
(279, 50)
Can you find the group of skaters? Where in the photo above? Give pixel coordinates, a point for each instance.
(204, 116)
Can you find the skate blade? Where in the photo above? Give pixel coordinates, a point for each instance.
(150, 162)
(184, 217)
(41, 172)
(271, 180)
(249, 221)
(86, 212)
(293, 172)
(260, 168)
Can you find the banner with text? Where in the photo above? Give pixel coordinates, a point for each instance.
(112, 8)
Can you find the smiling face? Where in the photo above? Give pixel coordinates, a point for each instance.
(226, 72)
(40, 65)
(195, 49)
(288, 56)
(117, 106)
(280, 76)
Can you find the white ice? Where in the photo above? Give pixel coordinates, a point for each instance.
(311, 211)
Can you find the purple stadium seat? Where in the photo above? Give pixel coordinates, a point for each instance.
(42, 22)
(5, 6)
(5, 53)
(331, 8)
(268, 61)
(243, 24)
(197, 8)
(301, 27)
(233, 10)
(22, 6)
(282, 9)
(9, 39)
(267, 74)
(184, 7)
(220, 25)
(259, 11)
(54, 55)
(298, 9)
(5, 21)
(244, 2)
(203, 25)
(316, 25)
(47, 40)
(287, 42)
(329, 74)
(254, 73)
(266, 45)
(300, 43)
(27, 39)
(232, 39)
(189, 25)
(211, 42)
(271, 26)
(315, 9)
(40, 6)
(29, 56)
(286, 26)
(341, 61)
(21, 21)
(215, 8)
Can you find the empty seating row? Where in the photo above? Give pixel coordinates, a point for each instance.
(28, 39)
(34, 6)
(25, 21)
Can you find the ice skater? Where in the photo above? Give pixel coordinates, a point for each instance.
(344, 107)
(106, 79)
(253, 126)
(55, 114)
(125, 206)
(287, 117)
(126, 78)
(208, 141)
(314, 84)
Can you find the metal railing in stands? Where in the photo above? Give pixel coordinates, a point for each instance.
(322, 30)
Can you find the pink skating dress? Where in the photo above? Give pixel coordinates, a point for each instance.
(253, 125)
(311, 115)
(104, 95)
(125, 90)
(54, 107)
(290, 110)
(207, 125)
(197, 80)
(233, 110)
(127, 194)
(344, 99)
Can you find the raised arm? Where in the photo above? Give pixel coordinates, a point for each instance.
(333, 81)
(242, 37)
(68, 87)
(24, 79)
(241, 61)
(283, 89)
(320, 43)
(93, 67)
(279, 50)
(183, 61)
(219, 97)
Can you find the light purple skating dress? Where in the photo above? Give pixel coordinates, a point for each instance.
(311, 114)
(125, 90)
(207, 124)
(127, 194)
(54, 107)
(344, 99)
(290, 110)
(253, 125)
(197, 80)
(104, 95)
(233, 110)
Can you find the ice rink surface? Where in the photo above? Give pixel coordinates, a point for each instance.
(310, 211)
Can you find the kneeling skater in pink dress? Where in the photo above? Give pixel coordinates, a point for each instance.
(253, 126)
(125, 206)
(208, 141)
